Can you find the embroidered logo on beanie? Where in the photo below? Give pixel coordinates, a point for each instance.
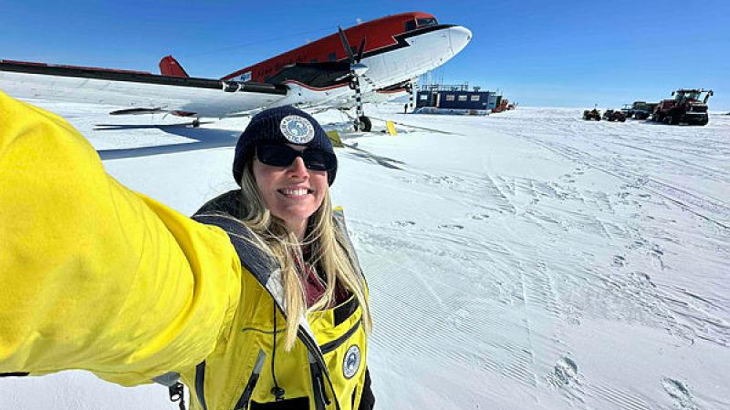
(296, 129)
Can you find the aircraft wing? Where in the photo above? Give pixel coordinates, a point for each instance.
(139, 92)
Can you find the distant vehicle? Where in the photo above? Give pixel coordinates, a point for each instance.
(614, 115)
(503, 104)
(593, 114)
(627, 110)
(686, 107)
(642, 110)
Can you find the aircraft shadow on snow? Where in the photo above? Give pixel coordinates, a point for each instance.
(359, 152)
(377, 159)
(204, 138)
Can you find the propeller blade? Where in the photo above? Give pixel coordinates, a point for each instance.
(346, 44)
(359, 52)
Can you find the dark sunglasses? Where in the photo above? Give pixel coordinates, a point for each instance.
(283, 156)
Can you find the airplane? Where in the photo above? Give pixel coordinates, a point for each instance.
(372, 61)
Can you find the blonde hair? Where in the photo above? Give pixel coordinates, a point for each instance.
(329, 249)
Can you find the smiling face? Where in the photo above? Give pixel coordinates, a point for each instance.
(292, 193)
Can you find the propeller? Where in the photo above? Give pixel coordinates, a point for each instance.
(356, 70)
(359, 52)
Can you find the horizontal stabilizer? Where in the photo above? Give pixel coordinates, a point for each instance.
(141, 111)
(137, 111)
(170, 67)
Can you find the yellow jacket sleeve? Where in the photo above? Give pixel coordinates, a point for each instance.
(93, 275)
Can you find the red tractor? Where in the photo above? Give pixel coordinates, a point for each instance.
(686, 106)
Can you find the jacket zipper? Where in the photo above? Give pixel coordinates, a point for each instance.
(316, 353)
(242, 403)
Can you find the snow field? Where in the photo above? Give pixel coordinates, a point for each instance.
(524, 260)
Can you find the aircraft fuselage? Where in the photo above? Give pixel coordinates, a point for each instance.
(395, 50)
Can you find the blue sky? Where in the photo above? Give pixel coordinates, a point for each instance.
(539, 53)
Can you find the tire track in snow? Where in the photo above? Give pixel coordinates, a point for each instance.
(467, 316)
(535, 298)
(481, 190)
(684, 313)
(686, 201)
(684, 197)
(510, 357)
(464, 322)
(397, 295)
(679, 162)
(412, 295)
(541, 297)
(620, 398)
(495, 194)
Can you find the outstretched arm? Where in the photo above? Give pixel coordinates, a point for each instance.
(93, 275)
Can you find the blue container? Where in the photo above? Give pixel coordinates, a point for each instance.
(464, 100)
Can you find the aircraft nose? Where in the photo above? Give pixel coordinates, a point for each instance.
(459, 37)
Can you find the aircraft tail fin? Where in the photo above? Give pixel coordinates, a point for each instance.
(170, 67)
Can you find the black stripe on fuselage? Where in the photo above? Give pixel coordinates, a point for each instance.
(401, 39)
(110, 75)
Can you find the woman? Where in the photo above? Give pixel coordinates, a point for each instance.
(262, 305)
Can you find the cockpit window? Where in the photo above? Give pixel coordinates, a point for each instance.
(431, 21)
(422, 22)
(687, 95)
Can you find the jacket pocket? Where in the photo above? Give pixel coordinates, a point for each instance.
(331, 346)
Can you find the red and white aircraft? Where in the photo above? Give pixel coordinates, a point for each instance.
(372, 61)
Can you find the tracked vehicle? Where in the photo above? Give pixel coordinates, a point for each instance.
(685, 107)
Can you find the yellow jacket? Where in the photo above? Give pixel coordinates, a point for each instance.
(97, 277)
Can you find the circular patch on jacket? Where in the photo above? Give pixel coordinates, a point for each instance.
(297, 129)
(352, 362)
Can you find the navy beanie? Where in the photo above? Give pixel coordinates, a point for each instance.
(280, 126)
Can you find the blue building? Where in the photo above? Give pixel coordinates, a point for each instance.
(457, 98)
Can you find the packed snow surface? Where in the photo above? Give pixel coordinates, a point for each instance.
(523, 260)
